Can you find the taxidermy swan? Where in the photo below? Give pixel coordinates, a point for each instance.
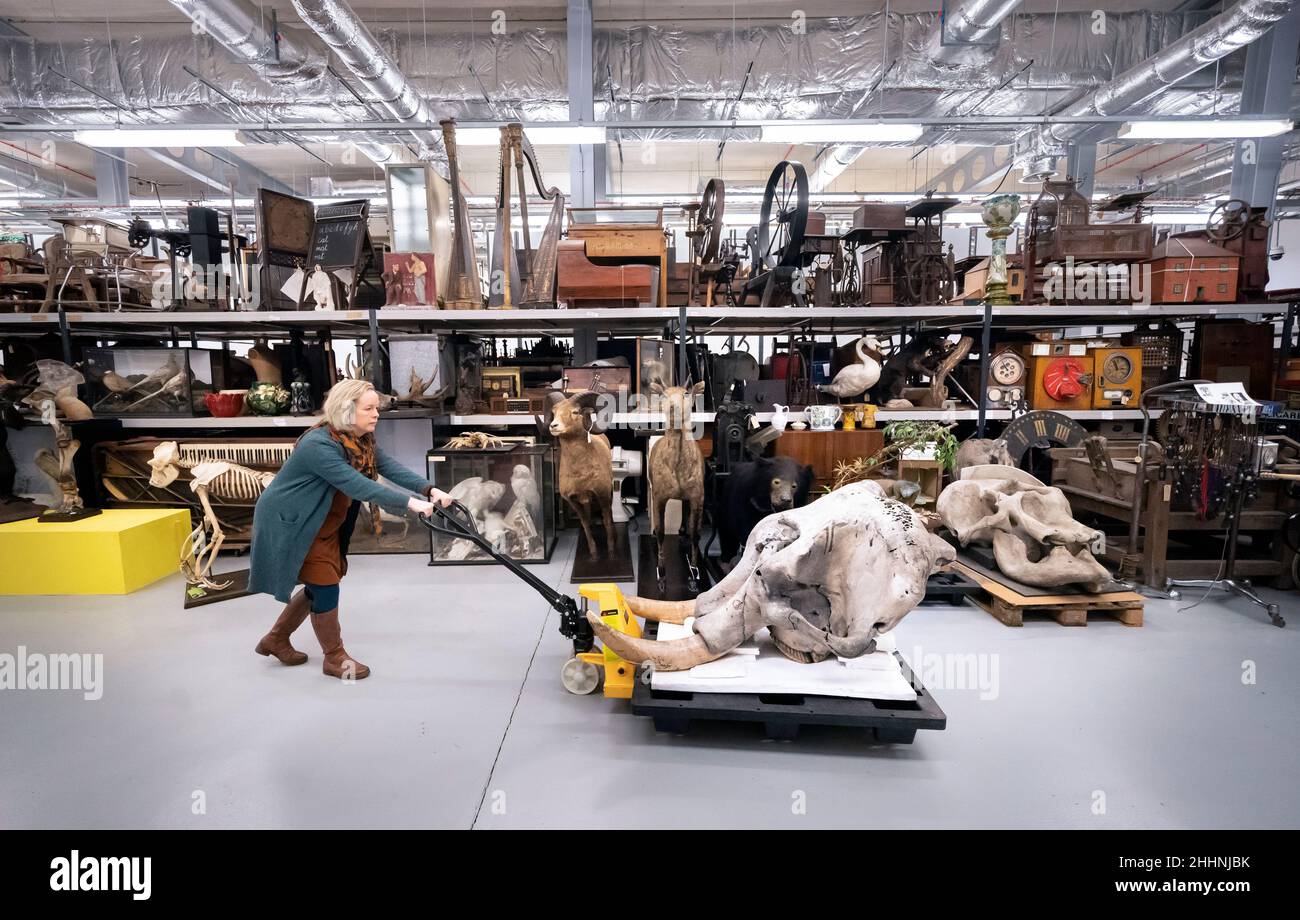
(856, 379)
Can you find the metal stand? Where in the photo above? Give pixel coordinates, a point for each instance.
(1227, 582)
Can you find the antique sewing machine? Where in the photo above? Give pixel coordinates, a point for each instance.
(905, 265)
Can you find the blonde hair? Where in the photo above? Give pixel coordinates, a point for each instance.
(340, 409)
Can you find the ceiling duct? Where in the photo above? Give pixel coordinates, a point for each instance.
(1230, 31)
(25, 177)
(970, 23)
(241, 28)
(969, 26)
(347, 36)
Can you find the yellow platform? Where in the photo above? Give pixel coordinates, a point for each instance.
(111, 553)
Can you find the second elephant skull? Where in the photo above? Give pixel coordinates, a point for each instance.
(1030, 526)
(825, 579)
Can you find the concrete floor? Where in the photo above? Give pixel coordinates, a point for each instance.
(464, 722)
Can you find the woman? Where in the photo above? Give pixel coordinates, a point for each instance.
(304, 520)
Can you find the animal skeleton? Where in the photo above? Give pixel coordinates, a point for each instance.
(824, 579)
(474, 440)
(221, 478)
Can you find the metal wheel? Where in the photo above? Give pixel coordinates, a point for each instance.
(579, 677)
(784, 217)
(1228, 220)
(709, 220)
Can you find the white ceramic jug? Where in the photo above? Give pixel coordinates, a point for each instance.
(823, 418)
(780, 416)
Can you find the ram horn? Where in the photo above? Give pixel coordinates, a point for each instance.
(674, 655)
(660, 611)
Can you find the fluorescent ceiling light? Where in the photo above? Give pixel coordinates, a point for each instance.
(1176, 217)
(1194, 129)
(799, 132)
(159, 137)
(538, 135)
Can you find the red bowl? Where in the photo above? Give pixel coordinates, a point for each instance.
(226, 404)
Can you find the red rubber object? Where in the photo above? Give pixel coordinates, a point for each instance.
(1064, 379)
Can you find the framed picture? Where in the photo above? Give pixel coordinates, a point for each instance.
(409, 280)
(656, 360)
(502, 381)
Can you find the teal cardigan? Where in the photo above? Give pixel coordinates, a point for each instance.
(290, 512)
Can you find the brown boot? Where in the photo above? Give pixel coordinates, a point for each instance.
(338, 663)
(276, 642)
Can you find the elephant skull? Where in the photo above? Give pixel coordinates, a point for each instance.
(825, 579)
(1034, 535)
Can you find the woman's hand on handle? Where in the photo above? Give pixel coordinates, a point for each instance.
(419, 507)
(439, 497)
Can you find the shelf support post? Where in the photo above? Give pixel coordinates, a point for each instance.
(986, 342)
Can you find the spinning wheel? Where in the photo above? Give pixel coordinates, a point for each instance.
(709, 222)
(1228, 221)
(784, 217)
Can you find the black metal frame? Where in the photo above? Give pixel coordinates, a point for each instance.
(458, 523)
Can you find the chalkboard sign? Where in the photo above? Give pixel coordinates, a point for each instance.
(340, 235)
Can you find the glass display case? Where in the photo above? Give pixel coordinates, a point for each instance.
(509, 488)
(150, 381)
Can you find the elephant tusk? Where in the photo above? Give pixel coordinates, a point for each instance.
(675, 655)
(660, 611)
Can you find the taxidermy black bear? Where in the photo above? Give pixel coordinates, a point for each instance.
(755, 490)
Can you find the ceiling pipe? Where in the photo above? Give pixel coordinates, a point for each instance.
(18, 175)
(972, 22)
(1230, 31)
(242, 28)
(969, 23)
(347, 36)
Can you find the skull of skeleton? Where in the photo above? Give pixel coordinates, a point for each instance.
(163, 464)
(824, 579)
(1034, 535)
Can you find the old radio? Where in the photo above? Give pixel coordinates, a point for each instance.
(1116, 378)
(517, 405)
(1005, 386)
(1059, 375)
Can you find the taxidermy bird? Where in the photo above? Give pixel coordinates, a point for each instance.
(524, 485)
(856, 379)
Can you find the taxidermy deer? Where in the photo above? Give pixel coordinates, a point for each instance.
(586, 477)
(208, 477)
(677, 471)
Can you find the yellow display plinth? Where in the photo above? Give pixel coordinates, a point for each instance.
(111, 553)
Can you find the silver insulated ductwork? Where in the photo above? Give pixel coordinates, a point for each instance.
(243, 29)
(347, 36)
(1230, 31)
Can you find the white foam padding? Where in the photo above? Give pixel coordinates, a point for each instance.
(757, 667)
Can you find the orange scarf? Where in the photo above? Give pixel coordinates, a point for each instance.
(360, 451)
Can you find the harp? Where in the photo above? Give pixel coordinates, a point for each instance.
(526, 279)
(464, 292)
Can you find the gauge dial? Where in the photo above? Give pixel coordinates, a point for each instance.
(1008, 368)
(1117, 369)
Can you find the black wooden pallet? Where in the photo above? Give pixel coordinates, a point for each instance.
(782, 715)
(949, 588)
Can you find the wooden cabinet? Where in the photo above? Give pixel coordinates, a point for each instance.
(823, 449)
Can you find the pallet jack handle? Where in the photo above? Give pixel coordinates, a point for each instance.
(457, 522)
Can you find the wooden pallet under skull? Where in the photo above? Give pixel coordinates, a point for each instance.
(1003, 598)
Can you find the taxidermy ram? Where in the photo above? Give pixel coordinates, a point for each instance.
(825, 579)
(586, 476)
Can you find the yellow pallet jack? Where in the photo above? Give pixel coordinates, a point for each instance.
(582, 673)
